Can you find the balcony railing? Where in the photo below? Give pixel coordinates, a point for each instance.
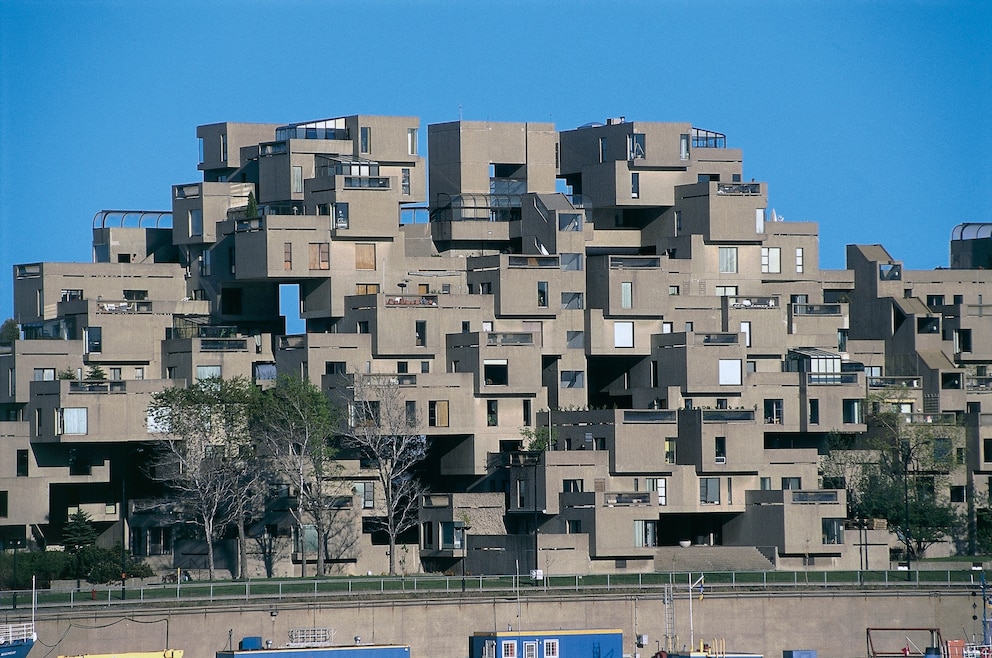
(502, 339)
(895, 382)
(124, 307)
(634, 262)
(627, 499)
(223, 345)
(831, 378)
(816, 309)
(936, 419)
(650, 416)
(814, 497)
(366, 182)
(727, 415)
(533, 261)
(979, 383)
(978, 310)
(411, 300)
(752, 302)
(716, 339)
(98, 387)
(738, 189)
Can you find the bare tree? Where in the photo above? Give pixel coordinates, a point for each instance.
(295, 421)
(206, 455)
(386, 433)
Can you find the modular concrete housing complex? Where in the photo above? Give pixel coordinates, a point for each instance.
(621, 282)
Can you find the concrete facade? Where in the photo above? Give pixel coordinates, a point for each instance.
(619, 283)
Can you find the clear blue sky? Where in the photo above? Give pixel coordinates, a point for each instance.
(872, 118)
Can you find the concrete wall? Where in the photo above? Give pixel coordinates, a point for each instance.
(831, 623)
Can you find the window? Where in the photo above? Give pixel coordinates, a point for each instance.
(366, 288)
(230, 301)
(569, 221)
(746, 330)
(799, 260)
(670, 443)
(363, 326)
(425, 367)
(673, 291)
(365, 139)
(766, 484)
(297, 180)
(207, 372)
(678, 221)
(94, 339)
(73, 421)
(287, 255)
(571, 262)
(645, 533)
(773, 411)
(364, 256)
(792, 483)
(492, 413)
(684, 147)
(69, 295)
(509, 649)
(411, 141)
(364, 491)
(635, 146)
(759, 220)
(623, 334)
(527, 413)
(4, 502)
(962, 340)
(405, 181)
(411, 413)
(626, 294)
(958, 494)
(44, 374)
(602, 149)
(542, 294)
(720, 449)
(496, 372)
(115, 374)
(635, 185)
(709, 491)
(421, 333)
(223, 148)
(667, 327)
(320, 256)
(661, 486)
(135, 295)
(730, 372)
(725, 291)
(814, 412)
(571, 300)
(987, 450)
(437, 413)
(575, 340)
(196, 222)
(771, 260)
(571, 486)
(22, 463)
(728, 260)
(551, 649)
(572, 379)
(852, 411)
(342, 216)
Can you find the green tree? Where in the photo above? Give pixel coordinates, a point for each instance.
(206, 456)
(901, 470)
(9, 331)
(96, 373)
(294, 421)
(538, 439)
(252, 210)
(78, 532)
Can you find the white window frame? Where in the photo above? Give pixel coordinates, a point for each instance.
(623, 334)
(727, 260)
(730, 372)
(771, 260)
(73, 420)
(799, 260)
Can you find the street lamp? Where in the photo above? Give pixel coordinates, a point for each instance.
(14, 543)
(464, 529)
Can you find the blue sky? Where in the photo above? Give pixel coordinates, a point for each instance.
(871, 118)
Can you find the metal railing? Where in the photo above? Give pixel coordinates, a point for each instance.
(431, 585)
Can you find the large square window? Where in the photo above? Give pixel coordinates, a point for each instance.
(623, 334)
(730, 372)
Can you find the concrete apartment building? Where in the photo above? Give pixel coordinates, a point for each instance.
(620, 283)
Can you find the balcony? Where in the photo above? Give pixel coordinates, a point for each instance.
(715, 339)
(124, 307)
(935, 419)
(895, 382)
(223, 345)
(728, 415)
(98, 387)
(411, 300)
(979, 383)
(752, 302)
(738, 189)
(650, 416)
(831, 378)
(627, 499)
(551, 262)
(816, 309)
(815, 497)
(634, 262)
(503, 339)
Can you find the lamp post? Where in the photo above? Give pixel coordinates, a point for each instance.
(464, 529)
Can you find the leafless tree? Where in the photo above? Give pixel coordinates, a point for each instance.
(386, 433)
